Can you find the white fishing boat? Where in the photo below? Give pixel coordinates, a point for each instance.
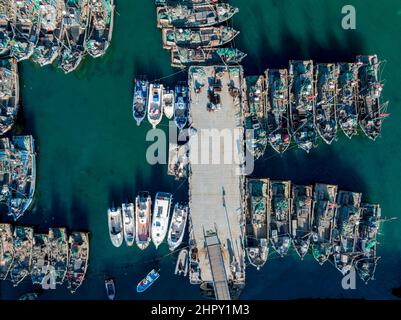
(155, 107)
(177, 226)
(161, 215)
(115, 226)
(168, 103)
(143, 204)
(129, 223)
(181, 268)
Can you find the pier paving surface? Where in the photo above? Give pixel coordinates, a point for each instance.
(216, 187)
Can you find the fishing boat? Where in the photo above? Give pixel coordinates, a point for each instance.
(208, 37)
(155, 106)
(74, 34)
(24, 20)
(115, 226)
(345, 232)
(184, 57)
(6, 249)
(9, 93)
(187, 16)
(23, 240)
(277, 106)
(194, 267)
(347, 112)
(325, 209)
(256, 96)
(181, 105)
(5, 28)
(301, 218)
(181, 267)
(255, 133)
(168, 103)
(160, 218)
(110, 289)
(140, 103)
(280, 193)
(78, 260)
(257, 221)
(51, 26)
(325, 108)
(177, 226)
(146, 282)
(369, 227)
(58, 248)
(23, 181)
(129, 223)
(100, 27)
(40, 258)
(256, 137)
(302, 99)
(143, 204)
(370, 109)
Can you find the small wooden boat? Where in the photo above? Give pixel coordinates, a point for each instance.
(146, 282)
(181, 268)
(177, 226)
(129, 223)
(143, 204)
(115, 226)
(110, 288)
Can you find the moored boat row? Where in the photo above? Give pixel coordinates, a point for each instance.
(143, 226)
(194, 34)
(310, 100)
(332, 224)
(153, 100)
(50, 30)
(49, 259)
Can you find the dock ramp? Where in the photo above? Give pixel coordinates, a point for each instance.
(217, 267)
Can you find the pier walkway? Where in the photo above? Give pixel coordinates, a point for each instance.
(217, 268)
(215, 184)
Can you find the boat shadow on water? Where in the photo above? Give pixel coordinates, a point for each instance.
(328, 48)
(322, 165)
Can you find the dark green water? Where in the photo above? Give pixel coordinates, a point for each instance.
(90, 152)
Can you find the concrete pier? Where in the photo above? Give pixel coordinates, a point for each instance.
(215, 183)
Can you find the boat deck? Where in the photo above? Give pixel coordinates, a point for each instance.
(216, 187)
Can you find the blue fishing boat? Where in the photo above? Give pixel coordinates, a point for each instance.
(181, 106)
(140, 102)
(146, 282)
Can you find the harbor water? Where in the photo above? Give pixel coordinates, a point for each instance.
(91, 154)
